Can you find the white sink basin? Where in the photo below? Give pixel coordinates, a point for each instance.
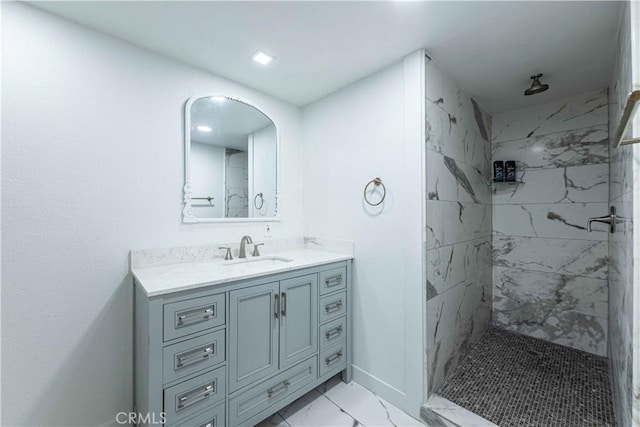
(259, 260)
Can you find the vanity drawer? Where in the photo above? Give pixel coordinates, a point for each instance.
(255, 399)
(194, 355)
(333, 306)
(333, 358)
(194, 315)
(192, 396)
(333, 333)
(333, 280)
(214, 417)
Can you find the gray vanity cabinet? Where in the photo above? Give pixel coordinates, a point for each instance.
(232, 354)
(254, 330)
(298, 319)
(271, 327)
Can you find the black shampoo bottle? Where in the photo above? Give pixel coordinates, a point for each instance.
(510, 166)
(498, 170)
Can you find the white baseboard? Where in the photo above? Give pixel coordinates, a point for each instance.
(386, 391)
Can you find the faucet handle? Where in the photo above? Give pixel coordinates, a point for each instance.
(228, 255)
(256, 251)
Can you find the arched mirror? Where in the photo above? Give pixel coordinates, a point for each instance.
(231, 161)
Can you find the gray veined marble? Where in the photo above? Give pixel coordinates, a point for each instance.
(482, 120)
(458, 224)
(461, 178)
(445, 268)
(549, 273)
(554, 220)
(445, 355)
(455, 222)
(554, 324)
(622, 170)
(453, 138)
(444, 135)
(581, 294)
(448, 311)
(443, 92)
(586, 258)
(589, 183)
(585, 110)
(439, 411)
(450, 180)
(624, 300)
(585, 146)
(236, 184)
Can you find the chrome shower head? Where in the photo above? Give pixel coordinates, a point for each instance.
(536, 86)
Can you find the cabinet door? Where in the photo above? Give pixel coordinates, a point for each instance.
(253, 334)
(298, 319)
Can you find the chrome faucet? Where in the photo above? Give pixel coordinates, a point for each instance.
(243, 242)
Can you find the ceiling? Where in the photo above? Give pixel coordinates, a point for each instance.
(230, 121)
(489, 48)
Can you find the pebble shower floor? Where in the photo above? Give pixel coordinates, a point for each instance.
(517, 381)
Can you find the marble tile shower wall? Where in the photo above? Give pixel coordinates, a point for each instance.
(237, 183)
(621, 276)
(549, 273)
(458, 224)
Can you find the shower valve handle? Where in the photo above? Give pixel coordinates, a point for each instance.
(607, 219)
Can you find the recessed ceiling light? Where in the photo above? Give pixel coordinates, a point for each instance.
(203, 128)
(262, 57)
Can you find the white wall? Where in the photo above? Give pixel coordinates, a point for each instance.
(207, 179)
(370, 129)
(92, 167)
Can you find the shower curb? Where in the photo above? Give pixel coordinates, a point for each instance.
(440, 412)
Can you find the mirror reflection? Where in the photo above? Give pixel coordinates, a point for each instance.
(231, 160)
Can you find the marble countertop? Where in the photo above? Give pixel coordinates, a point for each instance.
(166, 279)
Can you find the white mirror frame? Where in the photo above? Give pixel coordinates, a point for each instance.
(187, 211)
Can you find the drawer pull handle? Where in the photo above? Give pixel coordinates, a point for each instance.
(336, 356)
(331, 334)
(211, 423)
(198, 315)
(272, 391)
(186, 359)
(334, 306)
(195, 396)
(333, 281)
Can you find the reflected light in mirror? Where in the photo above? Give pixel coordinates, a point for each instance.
(203, 128)
(218, 98)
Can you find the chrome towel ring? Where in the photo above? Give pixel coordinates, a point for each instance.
(255, 201)
(377, 182)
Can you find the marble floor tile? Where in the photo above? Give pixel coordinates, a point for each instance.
(335, 403)
(275, 420)
(314, 409)
(366, 407)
